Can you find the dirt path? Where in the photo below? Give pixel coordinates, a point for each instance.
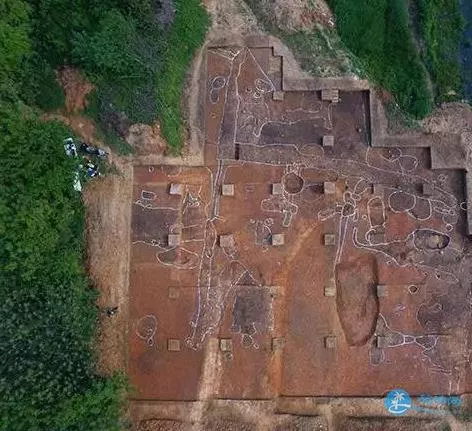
(108, 213)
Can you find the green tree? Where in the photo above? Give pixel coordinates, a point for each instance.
(47, 310)
(113, 50)
(14, 35)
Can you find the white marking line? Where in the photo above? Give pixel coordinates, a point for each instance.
(146, 328)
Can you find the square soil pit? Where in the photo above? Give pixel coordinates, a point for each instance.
(277, 239)
(173, 239)
(328, 141)
(176, 189)
(226, 241)
(330, 291)
(329, 239)
(278, 95)
(173, 293)
(330, 95)
(278, 343)
(329, 188)
(382, 291)
(427, 189)
(277, 189)
(330, 342)
(173, 345)
(226, 345)
(227, 190)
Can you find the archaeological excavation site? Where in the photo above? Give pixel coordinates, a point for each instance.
(307, 264)
(236, 215)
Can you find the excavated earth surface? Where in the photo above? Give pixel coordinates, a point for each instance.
(298, 263)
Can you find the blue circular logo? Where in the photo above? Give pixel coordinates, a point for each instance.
(397, 402)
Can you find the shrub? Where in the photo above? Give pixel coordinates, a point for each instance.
(39, 85)
(378, 33)
(185, 37)
(441, 27)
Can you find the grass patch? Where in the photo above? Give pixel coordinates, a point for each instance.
(378, 33)
(399, 121)
(441, 27)
(185, 37)
(320, 51)
(96, 109)
(118, 144)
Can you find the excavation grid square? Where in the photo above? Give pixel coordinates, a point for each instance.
(226, 241)
(227, 189)
(328, 141)
(278, 95)
(173, 345)
(173, 239)
(176, 189)
(329, 239)
(278, 239)
(382, 291)
(329, 188)
(277, 189)
(330, 342)
(374, 226)
(226, 345)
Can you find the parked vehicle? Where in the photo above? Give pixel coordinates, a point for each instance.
(70, 148)
(89, 149)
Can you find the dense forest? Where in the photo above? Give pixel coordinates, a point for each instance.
(136, 53)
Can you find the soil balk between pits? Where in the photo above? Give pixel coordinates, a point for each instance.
(392, 424)
(356, 301)
(163, 425)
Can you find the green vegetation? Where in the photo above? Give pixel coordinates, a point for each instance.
(135, 55)
(47, 313)
(135, 52)
(378, 33)
(380, 36)
(109, 122)
(441, 26)
(14, 40)
(47, 379)
(399, 121)
(40, 87)
(186, 35)
(320, 51)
